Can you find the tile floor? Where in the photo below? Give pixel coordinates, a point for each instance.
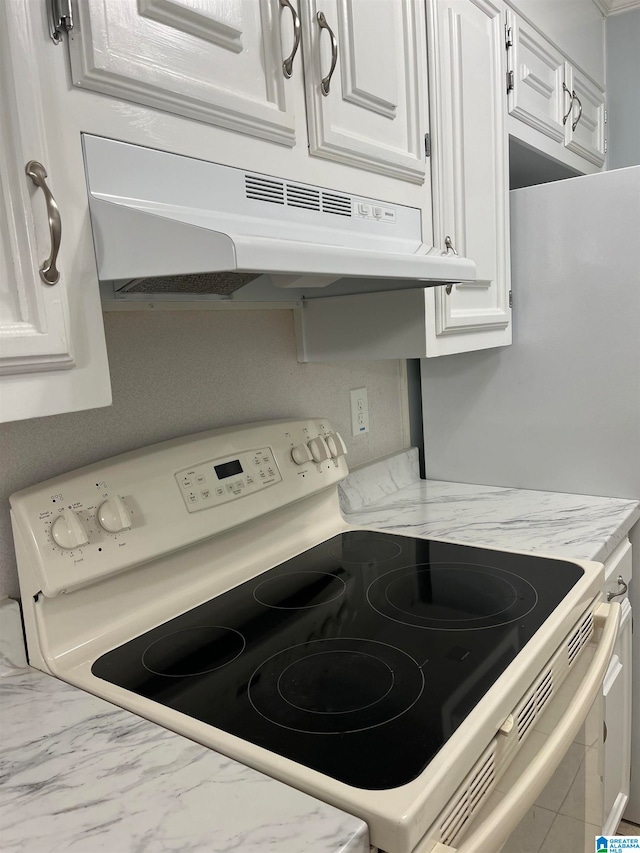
(628, 828)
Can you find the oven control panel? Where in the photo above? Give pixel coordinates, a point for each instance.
(133, 509)
(227, 478)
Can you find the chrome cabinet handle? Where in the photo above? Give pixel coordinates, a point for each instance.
(622, 591)
(287, 64)
(575, 123)
(49, 273)
(449, 246)
(450, 249)
(572, 95)
(326, 81)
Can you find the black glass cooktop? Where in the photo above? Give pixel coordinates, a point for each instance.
(357, 658)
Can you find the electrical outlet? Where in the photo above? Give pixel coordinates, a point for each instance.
(359, 411)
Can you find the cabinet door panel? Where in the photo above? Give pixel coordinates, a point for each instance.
(374, 116)
(617, 720)
(587, 139)
(33, 329)
(52, 347)
(218, 61)
(471, 165)
(537, 97)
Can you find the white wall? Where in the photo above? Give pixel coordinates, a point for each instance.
(623, 89)
(175, 373)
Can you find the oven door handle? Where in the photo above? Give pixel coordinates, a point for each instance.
(505, 817)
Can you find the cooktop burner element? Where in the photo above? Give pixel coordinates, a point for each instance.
(363, 547)
(299, 590)
(193, 651)
(336, 686)
(325, 659)
(451, 597)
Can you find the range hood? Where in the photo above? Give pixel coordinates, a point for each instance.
(156, 214)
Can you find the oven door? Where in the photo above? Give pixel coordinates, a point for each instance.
(551, 798)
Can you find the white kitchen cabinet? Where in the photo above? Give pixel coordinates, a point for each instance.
(52, 350)
(536, 95)
(366, 75)
(584, 128)
(617, 696)
(218, 62)
(221, 62)
(470, 174)
(553, 106)
(470, 197)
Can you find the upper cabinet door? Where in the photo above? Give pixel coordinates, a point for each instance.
(52, 346)
(371, 110)
(536, 96)
(470, 183)
(584, 129)
(33, 326)
(217, 61)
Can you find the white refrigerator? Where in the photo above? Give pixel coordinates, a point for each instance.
(559, 410)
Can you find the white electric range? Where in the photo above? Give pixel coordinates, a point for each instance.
(210, 584)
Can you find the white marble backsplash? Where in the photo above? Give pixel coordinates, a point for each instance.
(579, 526)
(379, 479)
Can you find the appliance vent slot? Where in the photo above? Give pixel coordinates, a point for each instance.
(300, 196)
(471, 796)
(534, 704)
(333, 203)
(580, 637)
(264, 189)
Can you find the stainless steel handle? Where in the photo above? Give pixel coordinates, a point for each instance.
(287, 64)
(450, 249)
(449, 246)
(575, 124)
(622, 591)
(572, 95)
(49, 273)
(326, 81)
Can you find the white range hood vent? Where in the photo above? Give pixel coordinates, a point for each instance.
(159, 215)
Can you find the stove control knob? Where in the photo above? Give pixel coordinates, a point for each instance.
(301, 454)
(319, 449)
(336, 445)
(113, 515)
(68, 530)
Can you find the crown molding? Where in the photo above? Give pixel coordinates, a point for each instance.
(616, 7)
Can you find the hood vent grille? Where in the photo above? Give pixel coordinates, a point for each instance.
(260, 188)
(299, 196)
(264, 189)
(580, 637)
(340, 204)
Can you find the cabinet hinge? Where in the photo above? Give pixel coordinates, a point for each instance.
(427, 145)
(510, 81)
(511, 299)
(508, 36)
(60, 17)
(606, 146)
(605, 116)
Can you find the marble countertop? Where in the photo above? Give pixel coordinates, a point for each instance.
(389, 495)
(79, 774)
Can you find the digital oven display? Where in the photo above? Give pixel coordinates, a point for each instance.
(228, 469)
